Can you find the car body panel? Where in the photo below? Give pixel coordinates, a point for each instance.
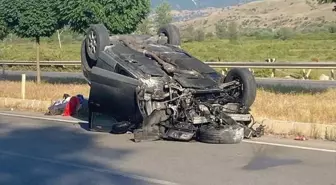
(119, 72)
(114, 94)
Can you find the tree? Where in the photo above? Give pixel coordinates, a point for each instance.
(233, 31)
(199, 35)
(145, 27)
(163, 15)
(119, 16)
(221, 30)
(188, 33)
(31, 19)
(3, 28)
(209, 35)
(284, 33)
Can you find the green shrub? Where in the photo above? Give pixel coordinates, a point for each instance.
(284, 33)
(199, 35)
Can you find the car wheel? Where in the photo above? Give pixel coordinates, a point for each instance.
(86, 62)
(97, 38)
(172, 33)
(247, 92)
(120, 127)
(224, 134)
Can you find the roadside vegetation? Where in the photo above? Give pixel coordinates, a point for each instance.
(304, 47)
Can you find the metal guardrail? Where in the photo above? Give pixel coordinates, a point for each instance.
(255, 65)
(277, 65)
(262, 65)
(42, 63)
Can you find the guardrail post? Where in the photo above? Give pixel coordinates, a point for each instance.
(23, 86)
(273, 73)
(251, 70)
(332, 74)
(223, 72)
(306, 74)
(3, 69)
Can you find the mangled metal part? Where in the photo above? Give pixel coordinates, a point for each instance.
(253, 132)
(178, 135)
(150, 129)
(200, 120)
(145, 135)
(240, 117)
(166, 115)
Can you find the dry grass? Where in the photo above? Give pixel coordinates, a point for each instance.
(301, 107)
(44, 91)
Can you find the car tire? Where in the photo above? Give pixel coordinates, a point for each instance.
(247, 79)
(172, 33)
(225, 134)
(120, 127)
(86, 62)
(97, 38)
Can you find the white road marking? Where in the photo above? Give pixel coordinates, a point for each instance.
(42, 118)
(246, 141)
(289, 146)
(113, 172)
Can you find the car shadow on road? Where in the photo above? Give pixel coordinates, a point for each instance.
(58, 155)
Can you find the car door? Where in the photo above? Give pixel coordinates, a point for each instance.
(114, 94)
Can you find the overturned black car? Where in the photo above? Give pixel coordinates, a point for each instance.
(148, 85)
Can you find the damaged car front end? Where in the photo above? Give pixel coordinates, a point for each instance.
(174, 112)
(150, 86)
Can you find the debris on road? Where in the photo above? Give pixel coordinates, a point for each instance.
(300, 138)
(67, 106)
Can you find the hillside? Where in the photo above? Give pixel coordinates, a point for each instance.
(198, 4)
(261, 14)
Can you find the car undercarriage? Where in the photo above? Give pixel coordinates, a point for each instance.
(151, 87)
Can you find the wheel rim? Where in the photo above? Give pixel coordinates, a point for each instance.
(92, 42)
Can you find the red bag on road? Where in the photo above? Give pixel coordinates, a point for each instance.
(71, 107)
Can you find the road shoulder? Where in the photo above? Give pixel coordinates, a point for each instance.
(311, 144)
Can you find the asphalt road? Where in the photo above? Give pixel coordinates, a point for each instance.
(49, 152)
(67, 77)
